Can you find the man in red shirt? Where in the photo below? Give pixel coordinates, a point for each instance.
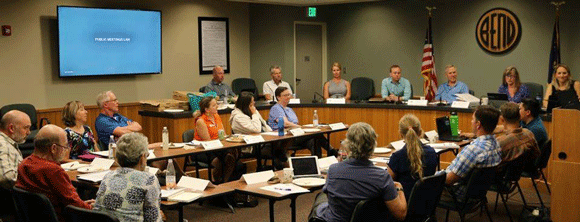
(41, 171)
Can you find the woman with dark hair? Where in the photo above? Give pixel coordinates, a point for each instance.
(415, 160)
(208, 125)
(563, 86)
(512, 86)
(80, 136)
(245, 118)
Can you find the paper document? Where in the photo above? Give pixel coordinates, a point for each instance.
(324, 163)
(100, 153)
(257, 177)
(180, 195)
(194, 143)
(467, 97)
(285, 188)
(432, 135)
(444, 145)
(380, 160)
(399, 144)
(193, 183)
(93, 177)
(212, 144)
(273, 133)
(101, 163)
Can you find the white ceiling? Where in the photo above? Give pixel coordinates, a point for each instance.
(303, 2)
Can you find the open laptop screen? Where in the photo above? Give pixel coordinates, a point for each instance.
(305, 166)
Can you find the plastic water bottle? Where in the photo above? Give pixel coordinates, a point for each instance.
(281, 126)
(170, 182)
(315, 119)
(165, 138)
(454, 122)
(112, 147)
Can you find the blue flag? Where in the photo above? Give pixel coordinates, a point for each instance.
(555, 49)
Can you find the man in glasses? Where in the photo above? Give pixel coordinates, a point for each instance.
(110, 122)
(41, 171)
(14, 127)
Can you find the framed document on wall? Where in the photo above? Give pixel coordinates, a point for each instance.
(214, 44)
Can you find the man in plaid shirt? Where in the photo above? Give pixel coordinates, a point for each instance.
(515, 140)
(14, 127)
(484, 151)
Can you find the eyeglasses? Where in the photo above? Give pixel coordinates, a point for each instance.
(511, 76)
(61, 146)
(113, 100)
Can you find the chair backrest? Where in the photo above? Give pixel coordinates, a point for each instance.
(32, 207)
(471, 92)
(202, 89)
(245, 84)
(362, 88)
(535, 90)
(77, 214)
(188, 135)
(545, 152)
(511, 172)
(424, 197)
(479, 182)
(370, 210)
(24, 107)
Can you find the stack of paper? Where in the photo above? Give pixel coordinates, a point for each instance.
(285, 188)
(93, 177)
(180, 195)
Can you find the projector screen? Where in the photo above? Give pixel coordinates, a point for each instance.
(97, 41)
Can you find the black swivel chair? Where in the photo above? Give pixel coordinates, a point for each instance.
(77, 214)
(370, 210)
(535, 90)
(475, 197)
(424, 197)
(240, 85)
(33, 207)
(362, 88)
(27, 147)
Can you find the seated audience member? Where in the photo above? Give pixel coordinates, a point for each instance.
(396, 88)
(415, 160)
(41, 171)
(515, 140)
(447, 91)
(563, 87)
(270, 87)
(14, 128)
(217, 84)
(356, 178)
(484, 151)
(207, 126)
(511, 85)
(80, 136)
(110, 122)
(281, 109)
(336, 87)
(130, 193)
(530, 119)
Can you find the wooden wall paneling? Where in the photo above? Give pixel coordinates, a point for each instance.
(564, 206)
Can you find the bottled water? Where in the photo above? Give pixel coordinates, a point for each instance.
(112, 147)
(315, 119)
(165, 138)
(170, 182)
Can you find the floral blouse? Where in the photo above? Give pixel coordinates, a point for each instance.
(522, 93)
(80, 144)
(131, 195)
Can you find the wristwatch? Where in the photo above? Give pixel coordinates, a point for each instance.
(400, 189)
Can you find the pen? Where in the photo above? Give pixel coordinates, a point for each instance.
(283, 189)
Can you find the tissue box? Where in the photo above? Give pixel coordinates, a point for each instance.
(163, 104)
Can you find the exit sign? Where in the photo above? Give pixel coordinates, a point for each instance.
(311, 12)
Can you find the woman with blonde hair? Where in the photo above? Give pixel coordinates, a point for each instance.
(80, 136)
(512, 86)
(563, 86)
(415, 160)
(336, 87)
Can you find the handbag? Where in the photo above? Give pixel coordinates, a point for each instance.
(195, 99)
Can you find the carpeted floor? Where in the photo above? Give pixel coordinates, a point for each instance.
(211, 212)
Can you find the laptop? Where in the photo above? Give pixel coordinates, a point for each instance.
(305, 166)
(444, 130)
(497, 99)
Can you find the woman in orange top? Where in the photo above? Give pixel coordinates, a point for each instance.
(207, 126)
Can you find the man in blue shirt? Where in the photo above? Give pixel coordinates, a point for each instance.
(110, 122)
(447, 91)
(217, 84)
(529, 116)
(484, 151)
(396, 88)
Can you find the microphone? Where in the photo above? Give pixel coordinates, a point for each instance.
(316, 100)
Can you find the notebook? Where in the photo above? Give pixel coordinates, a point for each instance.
(444, 130)
(305, 166)
(497, 99)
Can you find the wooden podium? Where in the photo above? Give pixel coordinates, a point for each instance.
(565, 165)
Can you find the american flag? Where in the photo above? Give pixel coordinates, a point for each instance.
(428, 66)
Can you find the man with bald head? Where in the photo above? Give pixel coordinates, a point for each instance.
(217, 84)
(14, 127)
(41, 171)
(110, 122)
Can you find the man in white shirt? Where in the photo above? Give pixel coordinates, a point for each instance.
(270, 86)
(14, 127)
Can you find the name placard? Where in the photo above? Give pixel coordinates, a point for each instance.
(417, 102)
(297, 131)
(335, 101)
(337, 126)
(294, 101)
(253, 139)
(460, 104)
(213, 144)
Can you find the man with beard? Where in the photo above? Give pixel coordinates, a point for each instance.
(14, 127)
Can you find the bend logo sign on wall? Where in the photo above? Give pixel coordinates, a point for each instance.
(498, 31)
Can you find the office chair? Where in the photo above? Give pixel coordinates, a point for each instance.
(77, 214)
(27, 147)
(32, 207)
(424, 197)
(362, 88)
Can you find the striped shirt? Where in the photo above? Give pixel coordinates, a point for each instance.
(10, 157)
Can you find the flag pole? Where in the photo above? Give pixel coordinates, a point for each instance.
(555, 48)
